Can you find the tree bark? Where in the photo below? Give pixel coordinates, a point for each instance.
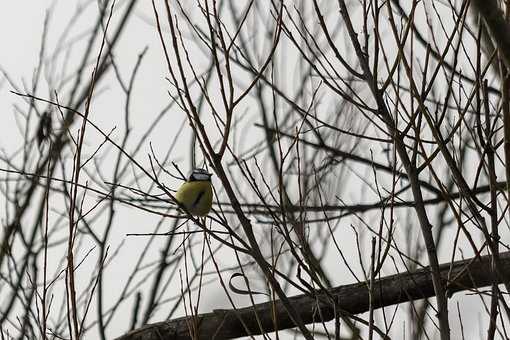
(498, 27)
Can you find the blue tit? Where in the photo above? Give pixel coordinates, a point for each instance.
(196, 193)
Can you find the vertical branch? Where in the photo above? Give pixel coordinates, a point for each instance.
(45, 257)
(426, 226)
(77, 166)
(505, 103)
(371, 292)
(491, 167)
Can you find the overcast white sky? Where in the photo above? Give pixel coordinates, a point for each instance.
(21, 24)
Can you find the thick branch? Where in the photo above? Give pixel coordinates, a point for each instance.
(352, 299)
(498, 27)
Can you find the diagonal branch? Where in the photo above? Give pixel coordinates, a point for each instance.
(352, 299)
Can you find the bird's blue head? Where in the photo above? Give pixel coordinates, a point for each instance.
(199, 175)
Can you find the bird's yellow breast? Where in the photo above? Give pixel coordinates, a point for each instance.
(196, 196)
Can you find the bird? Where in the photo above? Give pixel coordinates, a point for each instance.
(196, 193)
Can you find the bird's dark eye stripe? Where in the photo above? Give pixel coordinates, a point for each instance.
(198, 198)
